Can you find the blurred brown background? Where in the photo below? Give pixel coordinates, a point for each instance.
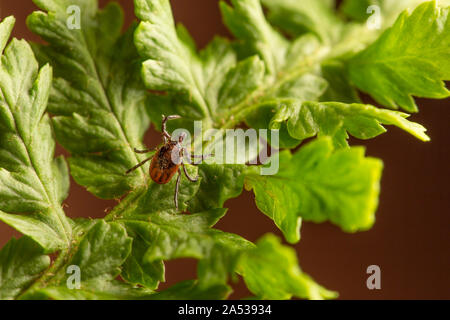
(411, 238)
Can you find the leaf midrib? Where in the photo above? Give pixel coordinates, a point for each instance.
(107, 103)
(51, 201)
(387, 60)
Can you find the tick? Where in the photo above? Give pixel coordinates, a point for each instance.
(167, 160)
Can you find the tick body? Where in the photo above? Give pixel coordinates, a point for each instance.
(162, 167)
(166, 162)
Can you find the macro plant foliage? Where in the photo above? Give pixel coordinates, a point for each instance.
(293, 66)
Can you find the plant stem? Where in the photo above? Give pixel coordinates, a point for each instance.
(48, 274)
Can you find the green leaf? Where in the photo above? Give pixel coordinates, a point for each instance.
(192, 290)
(102, 240)
(99, 253)
(171, 63)
(268, 78)
(6, 27)
(100, 165)
(409, 59)
(207, 85)
(294, 68)
(317, 184)
(212, 194)
(337, 120)
(202, 84)
(210, 85)
(244, 78)
(286, 62)
(97, 95)
(339, 87)
(304, 87)
(32, 183)
(308, 87)
(185, 290)
(21, 262)
(176, 235)
(246, 21)
(271, 271)
(199, 85)
(299, 17)
(160, 234)
(105, 291)
(137, 270)
(204, 81)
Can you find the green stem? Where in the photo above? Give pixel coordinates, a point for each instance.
(43, 280)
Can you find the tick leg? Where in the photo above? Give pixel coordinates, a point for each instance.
(187, 174)
(142, 151)
(138, 165)
(146, 150)
(177, 186)
(166, 135)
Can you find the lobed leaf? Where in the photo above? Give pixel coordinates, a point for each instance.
(192, 290)
(97, 94)
(212, 194)
(337, 120)
(32, 183)
(409, 59)
(317, 184)
(246, 21)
